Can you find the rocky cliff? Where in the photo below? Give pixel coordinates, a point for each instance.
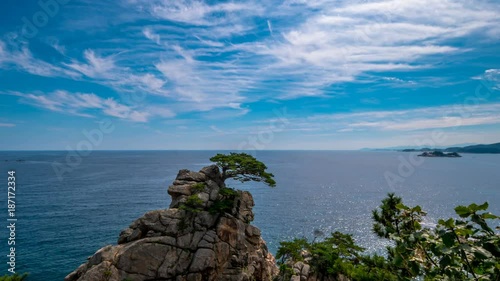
(205, 235)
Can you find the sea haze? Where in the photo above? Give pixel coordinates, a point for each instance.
(62, 222)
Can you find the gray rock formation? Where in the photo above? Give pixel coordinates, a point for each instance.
(200, 242)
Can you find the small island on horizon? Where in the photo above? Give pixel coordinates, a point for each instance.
(477, 149)
(437, 153)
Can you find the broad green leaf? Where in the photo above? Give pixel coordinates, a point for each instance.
(489, 216)
(398, 260)
(414, 268)
(464, 232)
(463, 211)
(445, 261)
(477, 219)
(449, 223)
(416, 224)
(448, 239)
(401, 206)
(482, 207)
(473, 207)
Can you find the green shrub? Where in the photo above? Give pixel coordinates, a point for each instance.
(198, 187)
(221, 206)
(15, 277)
(193, 204)
(292, 250)
(228, 192)
(225, 203)
(337, 254)
(456, 249)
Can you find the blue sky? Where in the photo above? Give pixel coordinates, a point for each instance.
(253, 74)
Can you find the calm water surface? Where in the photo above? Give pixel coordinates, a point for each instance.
(62, 222)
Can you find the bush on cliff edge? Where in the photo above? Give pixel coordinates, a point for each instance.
(456, 249)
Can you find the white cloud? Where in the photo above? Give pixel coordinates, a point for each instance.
(106, 71)
(183, 53)
(217, 130)
(152, 81)
(201, 85)
(442, 122)
(151, 35)
(395, 81)
(95, 67)
(490, 73)
(200, 88)
(187, 84)
(55, 44)
(82, 104)
(222, 55)
(9, 125)
(198, 12)
(354, 38)
(210, 43)
(491, 77)
(449, 116)
(21, 58)
(160, 111)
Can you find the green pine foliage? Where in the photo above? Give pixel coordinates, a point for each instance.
(464, 248)
(238, 166)
(456, 249)
(337, 254)
(193, 204)
(198, 187)
(243, 167)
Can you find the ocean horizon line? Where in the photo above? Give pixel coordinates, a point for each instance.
(136, 150)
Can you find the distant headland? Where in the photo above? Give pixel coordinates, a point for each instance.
(476, 148)
(479, 148)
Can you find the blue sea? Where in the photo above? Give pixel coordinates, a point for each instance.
(62, 221)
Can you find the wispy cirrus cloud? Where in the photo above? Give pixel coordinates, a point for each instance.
(95, 66)
(106, 71)
(20, 57)
(491, 77)
(8, 125)
(200, 13)
(83, 104)
(56, 45)
(200, 56)
(339, 41)
(403, 121)
(148, 33)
